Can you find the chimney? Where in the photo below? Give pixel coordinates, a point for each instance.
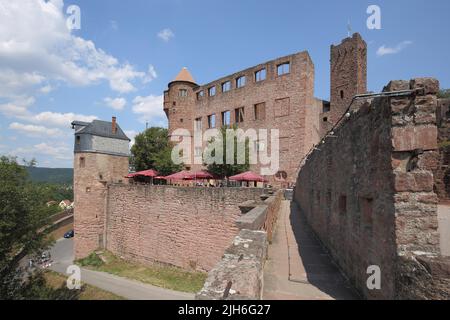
(114, 125)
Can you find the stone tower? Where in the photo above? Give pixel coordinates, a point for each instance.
(348, 74)
(100, 157)
(179, 103)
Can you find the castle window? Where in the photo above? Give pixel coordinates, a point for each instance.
(198, 124)
(260, 75)
(211, 121)
(326, 107)
(226, 86)
(78, 140)
(366, 205)
(226, 118)
(212, 91)
(260, 111)
(342, 94)
(183, 93)
(325, 119)
(200, 94)
(342, 204)
(240, 82)
(82, 162)
(283, 68)
(239, 115)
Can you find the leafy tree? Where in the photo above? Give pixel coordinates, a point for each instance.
(444, 93)
(153, 150)
(223, 169)
(22, 218)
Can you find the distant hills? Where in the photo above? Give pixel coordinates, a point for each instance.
(50, 175)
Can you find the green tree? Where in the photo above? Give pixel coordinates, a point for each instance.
(223, 169)
(153, 150)
(444, 93)
(22, 218)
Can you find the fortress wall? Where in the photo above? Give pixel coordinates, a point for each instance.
(368, 194)
(182, 226)
(289, 103)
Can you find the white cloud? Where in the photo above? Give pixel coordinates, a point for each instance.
(166, 34)
(59, 152)
(383, 50)
(116, 104)
(35, 131)
(36, 48)
(59, 119)
(46, 89)
(131, 134)
(150, 109)
(151, 74)
(17, 107)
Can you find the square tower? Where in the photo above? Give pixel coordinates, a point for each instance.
(348, 74)
(100, 157)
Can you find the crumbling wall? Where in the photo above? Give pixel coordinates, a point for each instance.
(239, 274)
(183, 226)
(368, 190)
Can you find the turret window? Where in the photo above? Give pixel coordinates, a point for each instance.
(183, 93)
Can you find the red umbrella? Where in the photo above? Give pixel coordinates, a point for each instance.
(147, 173)
(203, 174)
(248, 176)
(182, 175)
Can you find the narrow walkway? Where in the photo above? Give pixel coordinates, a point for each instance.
(298, 268)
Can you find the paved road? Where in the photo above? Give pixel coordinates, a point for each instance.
(62, 255)
(298, 268)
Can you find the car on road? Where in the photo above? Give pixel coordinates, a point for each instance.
(69, 234)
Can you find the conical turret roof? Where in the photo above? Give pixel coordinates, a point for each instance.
(184, 75)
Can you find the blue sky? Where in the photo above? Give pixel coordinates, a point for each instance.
(120, 61)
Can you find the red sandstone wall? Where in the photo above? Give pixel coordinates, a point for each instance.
(90, 193)
(181, 226)
(289, 100)
(368, 194)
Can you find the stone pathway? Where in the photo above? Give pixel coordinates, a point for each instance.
(298, 268)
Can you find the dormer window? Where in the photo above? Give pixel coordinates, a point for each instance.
(78, 140)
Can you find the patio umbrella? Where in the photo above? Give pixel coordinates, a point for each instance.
(202, 175)
(249, 177)
(147, 173)
(182, 175)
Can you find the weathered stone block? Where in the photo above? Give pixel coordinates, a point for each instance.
(429, 85)
(414, 181)
(411, 138)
